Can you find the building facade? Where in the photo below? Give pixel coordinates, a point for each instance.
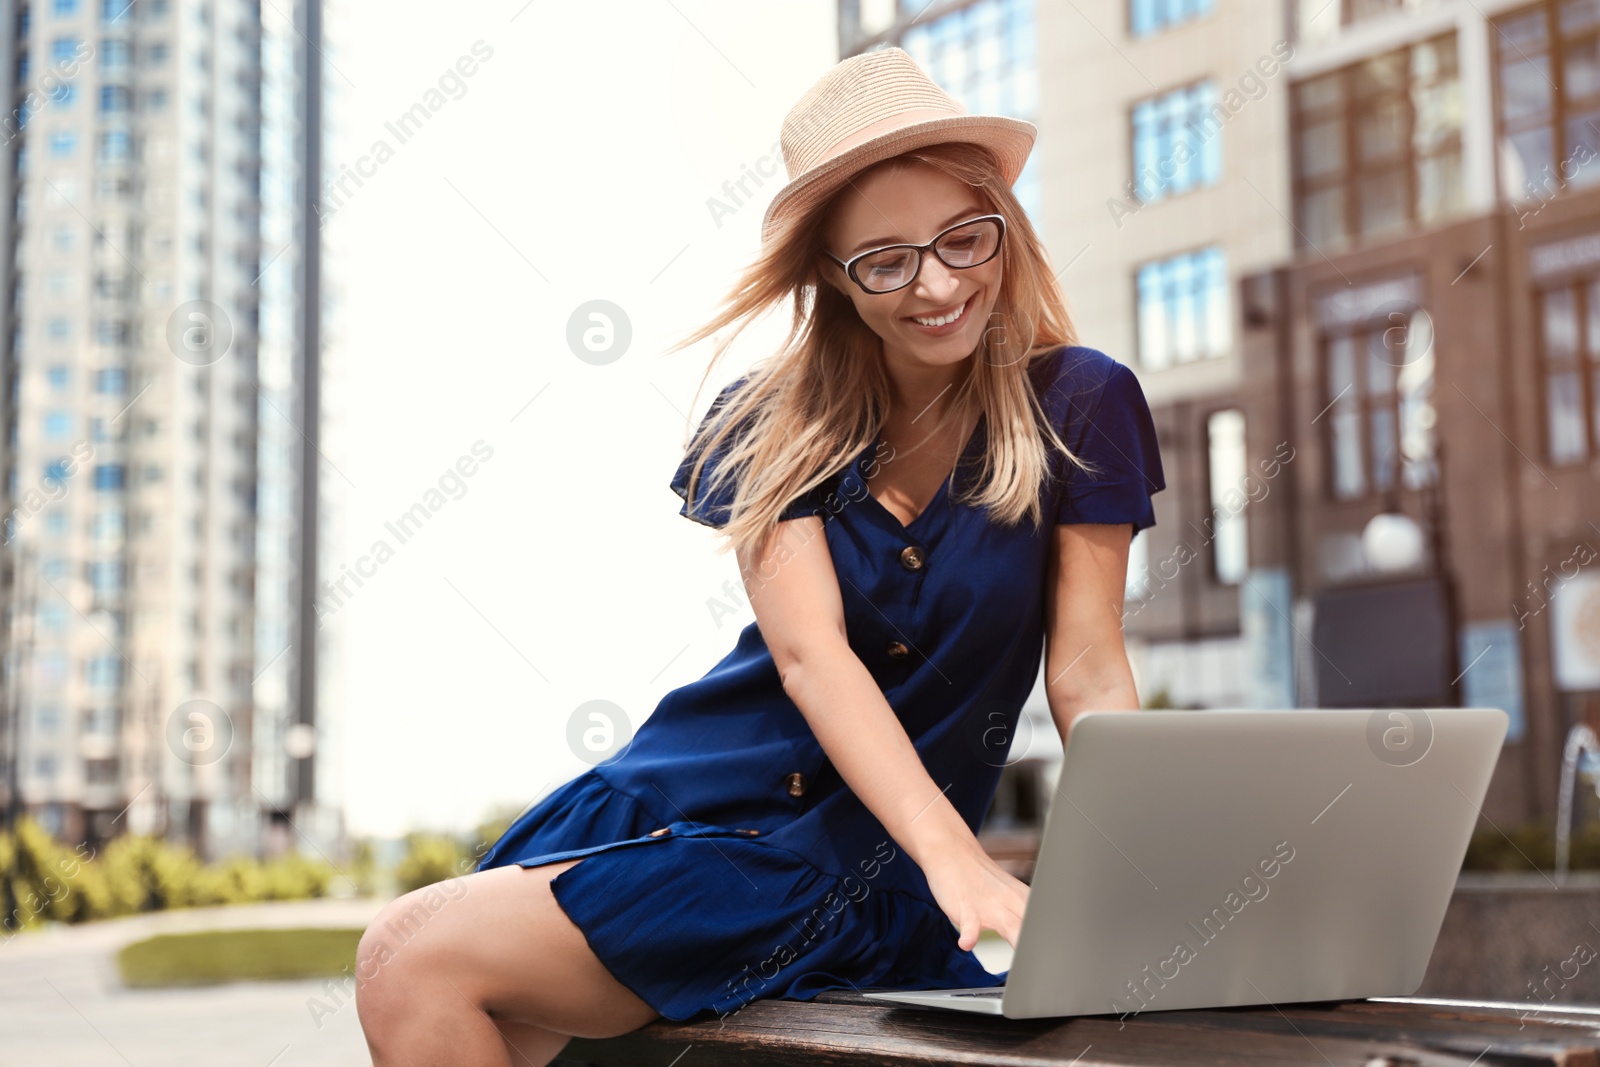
(160, 412)
(1350, 248)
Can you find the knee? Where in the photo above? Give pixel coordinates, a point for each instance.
(391, 956)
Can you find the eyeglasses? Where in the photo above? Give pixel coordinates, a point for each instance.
(966, 244)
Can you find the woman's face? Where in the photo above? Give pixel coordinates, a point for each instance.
(912, 205)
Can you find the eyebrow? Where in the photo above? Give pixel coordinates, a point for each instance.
(965, 212)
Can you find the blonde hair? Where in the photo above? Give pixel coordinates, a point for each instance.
(817, 404)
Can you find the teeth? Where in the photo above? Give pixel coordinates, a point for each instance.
(953, 316)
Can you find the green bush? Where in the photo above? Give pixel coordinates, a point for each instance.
(429, 858)
(41, 879)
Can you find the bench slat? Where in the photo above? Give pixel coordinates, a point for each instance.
(843, 1029)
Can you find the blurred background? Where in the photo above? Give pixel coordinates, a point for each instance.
(337, 429)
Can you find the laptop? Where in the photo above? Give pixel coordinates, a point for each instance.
(1204, 859)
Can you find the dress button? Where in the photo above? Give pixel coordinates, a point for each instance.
(911, 558)
(897, 650)
(796, 783)
(658, 833)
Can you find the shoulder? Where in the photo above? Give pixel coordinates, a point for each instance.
(1072, 380)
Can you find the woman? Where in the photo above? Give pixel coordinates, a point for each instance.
(929, 483)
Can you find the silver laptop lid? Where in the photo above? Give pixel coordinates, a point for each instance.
(1214, 858)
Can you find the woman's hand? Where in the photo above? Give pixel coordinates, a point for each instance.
(976, 893)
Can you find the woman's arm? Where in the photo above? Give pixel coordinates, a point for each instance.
(794, 590)
(1086, 663)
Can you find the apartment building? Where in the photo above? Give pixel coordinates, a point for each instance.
(160, 276)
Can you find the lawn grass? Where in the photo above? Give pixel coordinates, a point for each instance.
(207, 957)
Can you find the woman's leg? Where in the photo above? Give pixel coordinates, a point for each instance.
(441, 967)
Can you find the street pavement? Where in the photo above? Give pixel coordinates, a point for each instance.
(62, 1003)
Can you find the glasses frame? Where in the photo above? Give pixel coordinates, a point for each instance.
(921, 250)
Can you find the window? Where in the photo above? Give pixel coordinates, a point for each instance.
(984, 54)
(115, 99)
(111, 380)
(1547, 72)
(101, 720)
(109, 476)
(1227, 472)
(58, 328)
(156, 54)
(100, 771)
(114, 146)
(63, 9)
(1177, 143)
(106, 576)
(64, 49)
(103, 671)
(1147, 16)
(114, 10)
(63, 143)
(54, 568)
(45, 767)
(1377, 144)
(58, 424)
(1378, 377)
(52, 617)
(47, 719)
(155, 100)
(60, 377)
(111, 332)
(109, 526)
(114, 54)
(63, 95)
(56, 522)
(1183, 308)
(1570, 368)
(61, 238)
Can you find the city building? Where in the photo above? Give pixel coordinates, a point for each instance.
(160, 269)
(1349, 247)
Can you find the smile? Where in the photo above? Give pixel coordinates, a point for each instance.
(942, 322)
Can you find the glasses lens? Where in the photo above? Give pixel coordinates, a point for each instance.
(886, 270)
(970, 245)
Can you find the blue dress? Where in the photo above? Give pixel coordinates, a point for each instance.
(725, 858)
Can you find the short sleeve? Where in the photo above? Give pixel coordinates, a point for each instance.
(715, 508)
(1111, 429)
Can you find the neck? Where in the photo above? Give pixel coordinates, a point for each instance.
(920, 394)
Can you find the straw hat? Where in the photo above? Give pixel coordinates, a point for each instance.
(870, 107)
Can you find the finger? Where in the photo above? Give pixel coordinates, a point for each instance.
(969, 926)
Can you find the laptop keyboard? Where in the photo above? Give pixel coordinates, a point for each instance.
(992, 993)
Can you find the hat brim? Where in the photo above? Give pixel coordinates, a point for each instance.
(1010, 139)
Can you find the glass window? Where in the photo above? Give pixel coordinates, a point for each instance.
(64, 49)
(62, 143)
(1183, 308)
(112, 380)
(1230, 493)
(58, 328)
(63, 9)
(105, 576)
(103, 670)
(58, 424)
(1547, 73)
(1378, 404)
(1377, 144)
(1570, 360)
(1177, 142)
(60, 377)
(1148, 16)
(984, 55)
(109, 476)
(113, 10)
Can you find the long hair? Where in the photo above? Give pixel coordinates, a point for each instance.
(818, 403)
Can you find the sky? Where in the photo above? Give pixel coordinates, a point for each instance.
(570, 156)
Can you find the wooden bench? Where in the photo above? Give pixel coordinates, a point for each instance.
(843, 1028)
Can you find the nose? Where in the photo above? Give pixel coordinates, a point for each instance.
(934, 278)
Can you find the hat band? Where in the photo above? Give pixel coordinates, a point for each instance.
(882, 126)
